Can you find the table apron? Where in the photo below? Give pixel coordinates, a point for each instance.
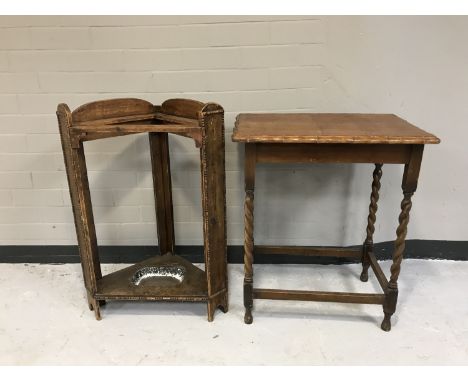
(332, 153)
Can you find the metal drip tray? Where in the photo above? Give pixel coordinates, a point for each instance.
(174, 273)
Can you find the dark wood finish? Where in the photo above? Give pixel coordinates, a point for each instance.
(378, 271)
(135, 128)
(177, 119)
(204, 123)
(409, 185)
(331, 153)
(111, 108)
(160, 162)
(89, 124)
(331, 138)
(300, 295)
(213, 183)
(307, 251)
(328, 128)
(97, 124)
(368, 245)
(185, 108)
(249, 175)
(118, 285)
(80, 197)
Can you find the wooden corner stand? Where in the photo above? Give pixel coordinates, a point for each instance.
(167, 277)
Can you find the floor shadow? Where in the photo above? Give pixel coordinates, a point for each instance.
(311, 315)
(154, 308)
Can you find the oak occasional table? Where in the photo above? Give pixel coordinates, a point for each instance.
(332, 138)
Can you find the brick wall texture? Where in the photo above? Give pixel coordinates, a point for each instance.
(245, 63)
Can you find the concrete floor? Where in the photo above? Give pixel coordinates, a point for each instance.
(44, 319)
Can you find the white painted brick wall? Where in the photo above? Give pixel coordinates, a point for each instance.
(246, 63)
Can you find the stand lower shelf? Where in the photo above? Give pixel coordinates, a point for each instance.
(160, 278)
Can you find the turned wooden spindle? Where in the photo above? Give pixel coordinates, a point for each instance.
(248, 255)
(392, 289)
(368, 243)
(249, 171)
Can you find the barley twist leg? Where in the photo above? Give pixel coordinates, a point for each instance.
(368, 243)
(391, 294)
(248, 255)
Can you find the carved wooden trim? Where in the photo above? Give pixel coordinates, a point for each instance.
(75, 165)
(213, 177)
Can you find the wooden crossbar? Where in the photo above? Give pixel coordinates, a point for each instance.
(176, 119)
(116, 120)
(378, 271)
(157, 116)
(135, 128)
(298, 295)
(308, 251)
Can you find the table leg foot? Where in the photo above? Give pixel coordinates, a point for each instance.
(248, 300)
(248, 318)
(386, 323)
(364, 275)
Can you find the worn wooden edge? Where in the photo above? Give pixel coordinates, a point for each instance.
(188, 298)
(217, 294)
(187, 125)
(406, 140)
(135, 128)
(180, 116)
(212, 107)
(429, 139)
(182, 107)
(117, 120)
(65, 109)
(176, 119)
(210, 114)
(300, 295)
(110, 108)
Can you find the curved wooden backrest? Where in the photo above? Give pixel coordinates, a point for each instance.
(181, 107)
(112, 108)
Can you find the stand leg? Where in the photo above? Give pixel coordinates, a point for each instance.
(75, 165)
(213, 185)
(94, 305)
(250, 157)
(160, 162)
(220, 301)
(391, 294)
(409, 185)
(368, 243)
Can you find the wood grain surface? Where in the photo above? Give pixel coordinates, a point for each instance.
(328, 128)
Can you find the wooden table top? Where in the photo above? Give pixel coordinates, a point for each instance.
(328, 128)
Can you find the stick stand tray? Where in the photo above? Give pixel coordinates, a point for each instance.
(167, 277)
